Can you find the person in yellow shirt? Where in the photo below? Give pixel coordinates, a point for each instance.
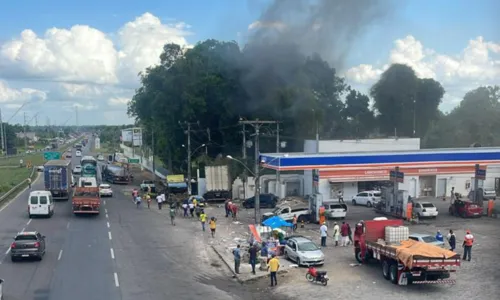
(273, 266)
(213, 225)
(195, 202)
(203, 219)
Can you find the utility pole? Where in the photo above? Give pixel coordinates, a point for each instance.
(278, 175)
(76, 113)
(153, 151)
(36, 120)
(25, 137)
(188, 132)
(244, 149)
(257, 124)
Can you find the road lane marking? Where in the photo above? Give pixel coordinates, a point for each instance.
(7, 252)
(29, 222)
(109, 235)
(104, 202)
(106, 216)
(67, 225)
(107, 223)
(112, 253)
(60, 254)
(105, 210)
(117, 283)
(23, 230)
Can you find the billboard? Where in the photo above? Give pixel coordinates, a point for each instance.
(175, 178)
(126, 135)
(137, 137)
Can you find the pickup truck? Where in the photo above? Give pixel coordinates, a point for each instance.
(405, 263)
(86, 200)
(146, 184)
(287, 212)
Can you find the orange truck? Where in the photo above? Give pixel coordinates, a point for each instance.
(86, 200)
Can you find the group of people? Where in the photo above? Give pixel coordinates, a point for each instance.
(342, 235)
(273, 263)
(231, 209)
(452, 241)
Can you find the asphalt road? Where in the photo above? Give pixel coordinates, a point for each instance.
(124, 253)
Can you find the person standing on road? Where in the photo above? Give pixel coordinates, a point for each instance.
(203, 219)
(340, 195)
(452, 240)
(439, 236)
(172, 216)
(468, 241)
(349, 233)
(227, 204)
(185, 208)
(237, 259)
(135, 193)
(213, 225)
(344, 232)
(148, 200)
(324, 233)
(294, 222)
(159, 200)
(336, 233)
(29, 183)
(138, 201)
(273, 267)
(234, 210)
(253, 256)
(191, 209)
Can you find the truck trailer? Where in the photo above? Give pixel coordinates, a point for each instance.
(403, 261)
(218, 183)
(57, 178)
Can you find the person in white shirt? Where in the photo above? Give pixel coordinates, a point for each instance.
(340, 195)
(191, 209)
(336, 233)
(159, 200)
(324, 233)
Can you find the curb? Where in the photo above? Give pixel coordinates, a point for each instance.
(241, 281)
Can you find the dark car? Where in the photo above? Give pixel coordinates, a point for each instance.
(28, 244)
(266, 201)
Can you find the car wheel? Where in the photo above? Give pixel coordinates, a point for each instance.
(13, 259)
(298, 261)
(369, 204)
(354, 202)
(30, 216)
(309, 277)
(357, 254)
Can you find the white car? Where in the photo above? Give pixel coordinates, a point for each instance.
(425, 210)
(105, 190)
(77, 170)
(335, 210)
(100, 157)
(367, 198)
(78, 154)
(426, 238)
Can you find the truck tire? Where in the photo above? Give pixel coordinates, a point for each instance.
(386, 270)
(357, 254)
(393, 272)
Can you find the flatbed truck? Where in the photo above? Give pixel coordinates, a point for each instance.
(86, 200)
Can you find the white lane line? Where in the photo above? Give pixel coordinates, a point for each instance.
(109, 235)
(67, 225)
(117, 283)
(7, 252)
(23, 230)
(105, 210)
(107, 216)
(29, 222)
(60, 254)
(104, 202)
(112, 253)
(107, 223)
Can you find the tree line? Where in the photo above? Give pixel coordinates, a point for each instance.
(216, 83)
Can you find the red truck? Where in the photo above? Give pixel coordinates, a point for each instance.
(86, 200)
(408, 262)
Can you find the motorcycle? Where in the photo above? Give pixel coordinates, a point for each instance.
(313, 275)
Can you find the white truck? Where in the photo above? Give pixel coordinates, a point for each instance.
(287, 212)
(218, 183)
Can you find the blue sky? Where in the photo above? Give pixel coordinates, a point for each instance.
(444, 25)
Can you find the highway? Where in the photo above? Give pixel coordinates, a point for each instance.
(124, 253)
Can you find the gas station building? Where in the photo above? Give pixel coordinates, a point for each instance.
(429, 172)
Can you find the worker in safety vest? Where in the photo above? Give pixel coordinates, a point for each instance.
(468, 241)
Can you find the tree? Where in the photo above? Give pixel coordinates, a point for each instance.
(359, 117)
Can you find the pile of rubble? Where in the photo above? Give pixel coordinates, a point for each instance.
(293, 201)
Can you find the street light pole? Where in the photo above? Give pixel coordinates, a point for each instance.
(189, 158)
(278, 175)
(153, 151)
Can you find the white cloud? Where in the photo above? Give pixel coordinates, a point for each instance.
(84, 65)
(10, 95)
(258, 24)
(478, 64)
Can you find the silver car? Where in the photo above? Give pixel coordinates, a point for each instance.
(427, 238)
(303, 251)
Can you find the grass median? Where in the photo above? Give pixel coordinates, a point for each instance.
(10, 177)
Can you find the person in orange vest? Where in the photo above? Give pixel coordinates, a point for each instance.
(468, 241)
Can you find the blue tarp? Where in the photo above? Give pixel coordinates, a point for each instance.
(276, 222)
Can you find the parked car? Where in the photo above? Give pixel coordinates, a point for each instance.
(425, 210)
(287, 212)
(485, 193)
(266, 201)
(303, 251)
(426, 238)
(100, 157)
(465, 209)
(335, 210)
(367, 198)
(105, 190)
(27, 244)
(68, 155)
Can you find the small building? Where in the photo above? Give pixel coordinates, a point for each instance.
(31, 136)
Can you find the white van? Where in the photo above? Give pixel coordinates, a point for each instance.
(40, 203)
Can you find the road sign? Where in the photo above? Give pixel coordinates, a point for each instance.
(397, 176)
(51, 155)
(133, 160)
(481, 174)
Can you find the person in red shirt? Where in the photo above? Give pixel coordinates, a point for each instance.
(344, 232)
(234, 210)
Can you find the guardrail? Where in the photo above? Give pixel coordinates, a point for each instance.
(15, 188)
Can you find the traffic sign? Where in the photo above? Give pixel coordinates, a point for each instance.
(51, 155)
(397, 176)
(133, 160)
(481, 174)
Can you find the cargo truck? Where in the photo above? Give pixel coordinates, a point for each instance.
(403, 261)
(86, 200)
(57, 178)
(218, 183)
